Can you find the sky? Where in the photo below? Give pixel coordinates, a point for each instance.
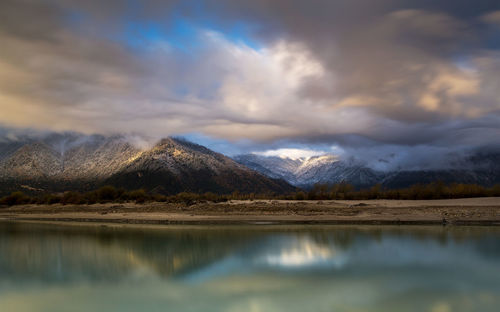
(412, 80)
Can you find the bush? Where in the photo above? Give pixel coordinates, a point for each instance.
(436, 190)
(16, 198)
(185, 197)
(52, 199)
(90, 198)
(159, 198)
(139, 196)
(495, 190)
(72, 198)
(215, 198)
(299, 196)
(107, 193)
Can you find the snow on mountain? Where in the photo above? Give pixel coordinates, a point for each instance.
(67, 157)
(272, 166)
(310, 170)
(482, 168)
(73, 161)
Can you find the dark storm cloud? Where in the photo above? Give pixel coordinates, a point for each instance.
(380, 74)
(424, 68)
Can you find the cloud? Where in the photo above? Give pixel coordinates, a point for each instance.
(292, 153)
(351, 73)
(492, 17)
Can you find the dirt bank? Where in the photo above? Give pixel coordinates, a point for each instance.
(478, 211)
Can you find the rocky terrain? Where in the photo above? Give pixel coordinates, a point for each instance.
(305, 172)
(63, 162)
(60, 162)
(482, 168)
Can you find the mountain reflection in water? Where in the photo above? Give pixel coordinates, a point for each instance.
(267, 268)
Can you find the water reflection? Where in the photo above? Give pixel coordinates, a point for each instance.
(253, 268)
(301, 252)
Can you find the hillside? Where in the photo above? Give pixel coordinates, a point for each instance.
(78, 162)
(482, 168)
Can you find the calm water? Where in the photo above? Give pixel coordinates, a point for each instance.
(48, 267)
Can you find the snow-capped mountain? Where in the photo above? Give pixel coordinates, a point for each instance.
(272, 166)
(62, 162)
(481, 168)
(311, 170)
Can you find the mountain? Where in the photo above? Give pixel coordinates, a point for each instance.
(63, 162)
(272, 166)
(305, 172)
(330, 169)
(481, 168)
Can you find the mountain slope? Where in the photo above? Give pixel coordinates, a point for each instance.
(78, 162)
(272, 166)
(481, 168)
(330, 169)
(305, 172)
(174, 165)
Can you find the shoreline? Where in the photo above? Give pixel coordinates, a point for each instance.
(222, 221)
(470, 211)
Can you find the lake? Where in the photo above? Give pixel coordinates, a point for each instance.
(86, 267)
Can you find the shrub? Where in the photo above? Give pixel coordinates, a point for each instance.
(159, 198)
(53, 199)
(139, 196)
(90, 197)
(495, 190)
(16, 198)
(300, 196)
(72, 198)
(107, 193)
(185, 197)
(211, 197)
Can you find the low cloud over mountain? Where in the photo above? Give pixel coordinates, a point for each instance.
(482, 168)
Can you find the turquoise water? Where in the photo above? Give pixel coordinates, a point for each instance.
(51, 267)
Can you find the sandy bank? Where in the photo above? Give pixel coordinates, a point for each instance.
(478, 211)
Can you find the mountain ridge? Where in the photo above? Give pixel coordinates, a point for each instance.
(78, 162)
(480, 168)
